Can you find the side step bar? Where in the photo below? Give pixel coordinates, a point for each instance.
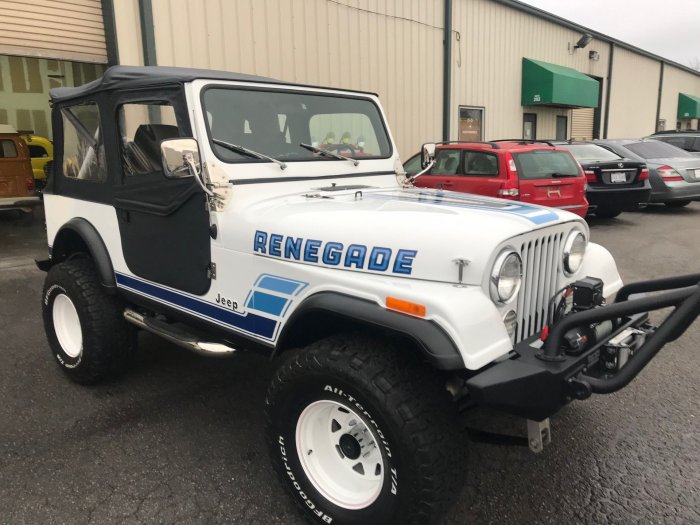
(176, 335)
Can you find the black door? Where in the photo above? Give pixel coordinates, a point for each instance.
(163, 223)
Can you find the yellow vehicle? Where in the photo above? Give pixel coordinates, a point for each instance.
(41, 151)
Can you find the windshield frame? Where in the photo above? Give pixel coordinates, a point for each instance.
(304, 90)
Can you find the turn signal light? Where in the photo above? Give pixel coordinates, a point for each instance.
(405, 307)
(668, 174)
(30, 184)
(644, 175)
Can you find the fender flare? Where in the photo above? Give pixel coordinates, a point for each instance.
(435, 344)
(96, 246)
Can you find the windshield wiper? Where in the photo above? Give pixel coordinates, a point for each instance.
(327, 153)
(249, 152)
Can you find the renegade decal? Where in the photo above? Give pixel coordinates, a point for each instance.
(330, 253)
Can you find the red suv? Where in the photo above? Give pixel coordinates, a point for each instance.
(528, 171)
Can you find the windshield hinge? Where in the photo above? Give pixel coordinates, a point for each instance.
(211, 271)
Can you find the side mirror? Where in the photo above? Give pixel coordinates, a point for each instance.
(174, 152)
(427, 155)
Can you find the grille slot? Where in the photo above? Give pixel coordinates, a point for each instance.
(541, 264)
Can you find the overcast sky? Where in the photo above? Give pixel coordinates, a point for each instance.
(670, 28)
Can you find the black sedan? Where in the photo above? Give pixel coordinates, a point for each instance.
(615, 183)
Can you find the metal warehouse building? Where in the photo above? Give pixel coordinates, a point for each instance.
(445, 69)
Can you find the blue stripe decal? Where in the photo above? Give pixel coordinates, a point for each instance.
(248, 322)
(277, 284)
(270, 304)
(535, 214)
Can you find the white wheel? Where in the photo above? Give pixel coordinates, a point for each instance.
(339, 454)
(67, 325)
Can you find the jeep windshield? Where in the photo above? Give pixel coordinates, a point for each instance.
(282, 125)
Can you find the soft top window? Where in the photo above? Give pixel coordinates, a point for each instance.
(83, 147)
(275, 123)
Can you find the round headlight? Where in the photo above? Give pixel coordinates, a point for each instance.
(506, 276)
(574, 250)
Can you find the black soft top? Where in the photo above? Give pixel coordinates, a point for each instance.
(141, 76)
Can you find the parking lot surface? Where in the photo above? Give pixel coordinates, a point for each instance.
(180, 438)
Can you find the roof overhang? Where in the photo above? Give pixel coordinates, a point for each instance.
(545, 84)
(688, 106)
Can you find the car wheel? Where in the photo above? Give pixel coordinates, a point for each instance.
(676, 204)
(360, 433)
(607, 214)
(86, 331)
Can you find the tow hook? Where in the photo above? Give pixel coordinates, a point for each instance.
(538, 435)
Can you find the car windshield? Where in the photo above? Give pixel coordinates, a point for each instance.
(656, 150)
(276, 123)
(545, 164)
(591, 153)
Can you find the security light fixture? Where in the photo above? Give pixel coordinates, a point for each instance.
(583, 41)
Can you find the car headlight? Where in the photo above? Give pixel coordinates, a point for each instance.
(506, 276)
(574, 250)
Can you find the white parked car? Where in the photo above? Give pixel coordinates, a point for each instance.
(231, 213)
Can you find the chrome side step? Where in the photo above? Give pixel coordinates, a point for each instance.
(176, 335)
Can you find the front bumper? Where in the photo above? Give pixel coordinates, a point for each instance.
(537, 380)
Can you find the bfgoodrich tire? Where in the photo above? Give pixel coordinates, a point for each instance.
(87, 335)
(363, 433)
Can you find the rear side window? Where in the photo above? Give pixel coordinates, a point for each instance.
(8, 150)
(545, 164)
(479, 163)
(83, 147)
(37, 151)
(446, 162)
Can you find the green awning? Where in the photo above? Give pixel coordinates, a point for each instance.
(546, 84)
(688, 106)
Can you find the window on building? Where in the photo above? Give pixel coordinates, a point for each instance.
(83, 147)
(8, 149)
(471, 124)
(529, 126)
(562, 127)
(142, 127)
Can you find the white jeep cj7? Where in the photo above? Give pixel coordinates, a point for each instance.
(229, 213)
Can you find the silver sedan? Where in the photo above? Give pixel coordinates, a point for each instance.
(674, 173)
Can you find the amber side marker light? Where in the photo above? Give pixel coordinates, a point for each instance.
(405, 307)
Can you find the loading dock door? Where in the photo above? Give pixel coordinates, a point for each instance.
(582, 123)
(60, 29)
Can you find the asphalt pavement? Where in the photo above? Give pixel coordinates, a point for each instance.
(180, 438)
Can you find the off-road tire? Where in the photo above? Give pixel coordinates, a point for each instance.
(677, 204)
(108, 342)
(400, 398)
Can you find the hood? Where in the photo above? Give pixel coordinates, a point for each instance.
(413, 232)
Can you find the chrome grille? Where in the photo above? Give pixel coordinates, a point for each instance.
(541, 258)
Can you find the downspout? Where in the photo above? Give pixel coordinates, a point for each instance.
(110, 32)
(148, 36)
(447, 72)
(658, 102)
(607, 91)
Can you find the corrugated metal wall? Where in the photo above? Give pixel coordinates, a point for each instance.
(487, 69)
(391, 47)
(582, 123)
(634, 95)
(60, 29)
